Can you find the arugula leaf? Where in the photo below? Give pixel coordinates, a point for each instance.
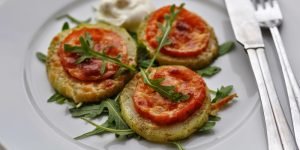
(58, 98)
(226, 47)
(222, 92)
(93, 110)
(42, 57)
(103, 67)
(85, 50)
(163, 40)
(178, 145)
(88, 111)
(207, 126)
(166, 91)
(103, 128)
(214, 118)
(114, 123)
(134, 36)
(74, 20)
(145, 63)
(65, 26)
(143, 57)
(212, 91)
(210, 124)
(209, 71)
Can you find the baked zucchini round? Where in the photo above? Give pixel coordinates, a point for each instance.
(92, 79)
(158, 119)
(193, 41)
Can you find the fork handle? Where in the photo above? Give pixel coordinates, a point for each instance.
(287, 138)
(273, 136)
(286, 64)
(292, 88)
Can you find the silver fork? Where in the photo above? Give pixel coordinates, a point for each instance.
(269, 16)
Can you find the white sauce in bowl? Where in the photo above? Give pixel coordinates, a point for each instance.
(126, 13)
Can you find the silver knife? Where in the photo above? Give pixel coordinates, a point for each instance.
(248, 33)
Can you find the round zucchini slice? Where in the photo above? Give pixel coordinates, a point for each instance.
(85, 81)
(193, 41)
(153, 131)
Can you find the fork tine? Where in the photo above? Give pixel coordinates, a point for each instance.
(269, 2)
(254, 2)
(262, 3)
(259, 4)
(276, 7)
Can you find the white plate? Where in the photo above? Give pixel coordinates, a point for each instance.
(29, 122)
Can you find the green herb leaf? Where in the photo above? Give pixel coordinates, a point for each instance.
(74, 20)
(103, 67)
(134, 36)
(42, 57)
(163, 40)
(226, 47)
(146, 63)
(209, 71)
(214, 118)
(207, 126)
(103, 128)
(212, 91)
(59, 99)
(222, 92)
(65, 26)
(85, 50)
(178, 145)
(143, 57)
(114, 123)
(166, 91)
(210, 124)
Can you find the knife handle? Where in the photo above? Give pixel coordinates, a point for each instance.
(273, 136)
(287, 138)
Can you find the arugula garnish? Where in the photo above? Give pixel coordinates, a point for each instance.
(212, 70)
(178, 145)
(143, 57)
(163, 40)
(222, 93)
(210, 124)
(114, 123)
(93, 110)
(103, 128)
(209, 71)
(166, 91)
(42, 57)
(85, 50)
(66, 26)
(58, 98)
(74, 20)
(226, 47)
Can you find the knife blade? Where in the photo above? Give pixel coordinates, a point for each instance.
(245, 26)
(248, 33)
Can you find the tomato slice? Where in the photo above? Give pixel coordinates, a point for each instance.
(105, 41)
(162, 111)
(189, 35)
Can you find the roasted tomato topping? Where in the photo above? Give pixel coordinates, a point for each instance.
(189, 35)
(162, 111)
(105, 41)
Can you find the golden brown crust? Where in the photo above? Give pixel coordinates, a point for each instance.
(152, 132)
(201, 61)
(86, 91)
